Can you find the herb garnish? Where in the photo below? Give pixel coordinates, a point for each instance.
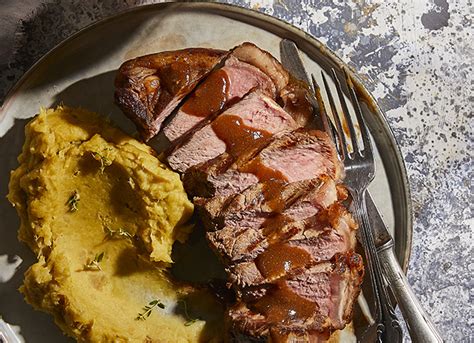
(148, 308)
(104, 161)
(73, 201)
(189, 320)
(94, 264)
(119, 233)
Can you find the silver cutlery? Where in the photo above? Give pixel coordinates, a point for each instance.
(359, 166)
(419, 325)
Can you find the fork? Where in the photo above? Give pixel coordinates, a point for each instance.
(360, 171)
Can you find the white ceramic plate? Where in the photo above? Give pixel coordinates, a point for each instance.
(80, 72)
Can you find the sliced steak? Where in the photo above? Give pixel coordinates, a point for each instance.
(219, 176)
(259, 255)
(291, 93)
(262, 201)
(222, 87)
(250, 53)
(250, 122)
(294, 156)
(149, 88)
(316, 301)
(296, 246)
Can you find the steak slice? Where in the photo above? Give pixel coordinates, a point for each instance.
(250, 53)
(293, 156)
(250, 122)
(149, 88)
(262, 201)
(283, 245)
(222, 87)
(295, 246)
(316, 301)
(220, 176)
(247, 67)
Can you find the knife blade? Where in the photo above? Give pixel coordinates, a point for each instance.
(420, 327)
(383, 239)
(291, 60)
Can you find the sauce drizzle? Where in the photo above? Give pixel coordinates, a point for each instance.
(210, 97)
(283, 306)
(280, 258)
(263, 173)
(272, 192)
(238, 137)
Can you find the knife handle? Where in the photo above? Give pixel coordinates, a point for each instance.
(420, 327)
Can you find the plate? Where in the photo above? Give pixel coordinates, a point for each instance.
(80, 72)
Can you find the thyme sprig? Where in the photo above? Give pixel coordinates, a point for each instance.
(104, 161)
(189, 320)
(95, 263)
(73, 201)
(147, 309)
(119, 233)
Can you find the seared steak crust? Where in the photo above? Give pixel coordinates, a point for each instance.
(148, 88)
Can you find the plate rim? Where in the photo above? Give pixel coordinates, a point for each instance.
(403, 255)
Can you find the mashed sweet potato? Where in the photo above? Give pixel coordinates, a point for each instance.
(101, 212)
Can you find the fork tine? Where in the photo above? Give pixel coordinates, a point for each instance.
(339, 131)
(328, 124)
(363, 127)
(347, 115)
(323, 114)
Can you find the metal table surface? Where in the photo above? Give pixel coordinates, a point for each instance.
(416, 58)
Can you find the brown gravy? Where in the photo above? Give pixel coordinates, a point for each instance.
(280, 258)
(176, 76)
(272, 190)
(238, 137)
(209, 97)
(263, 173)
(283, 306)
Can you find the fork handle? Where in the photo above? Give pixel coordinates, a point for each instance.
(419, 325)
(386, 318)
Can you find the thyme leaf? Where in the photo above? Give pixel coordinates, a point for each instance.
(189, 320)
(94, 264)
(104, 161)
(73, 201)
(147, 309)
(119, 233)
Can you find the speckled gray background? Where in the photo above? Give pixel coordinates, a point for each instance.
(416, 57)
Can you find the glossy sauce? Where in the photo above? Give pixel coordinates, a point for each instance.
(272, 190)
(176, 76)
(283, 306)
(209, 97)
(280, 258)
(151, 84)
(239, 138)
(256, 167)
(273, 225)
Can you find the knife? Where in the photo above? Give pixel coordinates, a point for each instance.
(419, 325)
